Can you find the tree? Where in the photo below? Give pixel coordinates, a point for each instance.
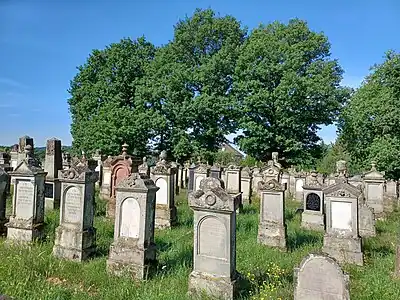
(286, 86)
(369, 125)
(105, 108)
(190, 82)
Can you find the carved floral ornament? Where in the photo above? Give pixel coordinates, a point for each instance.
(136, 181)
(203, 169)
(78, 173)
(271, 185)
(162, 167)
(342, 190)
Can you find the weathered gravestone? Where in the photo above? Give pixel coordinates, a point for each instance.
(366, 221)
(216, 172)
(27, 216)
(52, 164)
(3, 199)
(272, 227)
(76, 237)
(272, 171)
(200, 173)
(320, 277)
(133, 250)
(299, 183)
(214, 265)
(313, 215)
(144, 167)
(245, 185)
(257, 177)
(191, 183)
(342, 240)
(14, 156)
(163, 177)
(374, 182)
(66, 160)
(105, 189)
(174, 171)
(23, 142)
(232, 179)
(97, 157)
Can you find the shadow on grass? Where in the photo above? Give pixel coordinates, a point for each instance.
(301, 238)
(249, 209)
(370, 250)
(174, 258)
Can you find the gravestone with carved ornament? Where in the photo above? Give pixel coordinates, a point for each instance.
(313, 203)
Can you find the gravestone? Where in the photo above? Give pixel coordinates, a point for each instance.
(342, 240)
(313, 203)
(374, 182)
(299, 183)
(75, 236)
(257, 177)
(133, 250)
(245, 185)
(233, 180)
(52, 164)
(23, 142)
(200, 173)
(163, 177)
(14, 156)
(185, 176)
(320, 277)
(272, 227)
(174, 170)
(97, 157)
(27, 216)
(191, 185)
(105, 189)
(356, 180)
(214, 264)
(285, 180)
(272, 171)
(66, 160)
(121, 168)
(216, 172)
(366, 221)
(4, 178)
(144, 167)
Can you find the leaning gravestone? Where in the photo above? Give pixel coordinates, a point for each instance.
(271, 226)
(214, 264)
(320, 277)
(76, 237)
(3, 199)
(366, 221)
(52, 164)
(27, 216)
(133, 250)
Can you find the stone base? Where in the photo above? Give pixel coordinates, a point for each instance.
(110, 211)
(20, 232)
(104, 193)
(312, 221)
(212, 285)
(344, 249)
(272, 234)
(73, 244)
(3, 228)
(126, 257)
(166, 217)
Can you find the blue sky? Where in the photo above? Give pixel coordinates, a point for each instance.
(42, 43)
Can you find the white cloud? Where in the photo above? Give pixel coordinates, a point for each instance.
(11, 82)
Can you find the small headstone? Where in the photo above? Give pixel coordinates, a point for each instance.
(200, 173)
(233, 180)
(320, 277)
(342, 240)
(374, 182)
(76, 237)
(272, 227)
(27, 216)
(214, 265)
(133, 250)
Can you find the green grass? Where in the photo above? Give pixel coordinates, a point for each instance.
(31, 272)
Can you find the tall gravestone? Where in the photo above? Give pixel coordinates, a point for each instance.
(272, 171)
(27, 216)
(319, 277)
(23, 142)
(342, 240)
(191, 185)
(14, 156)
(174, 170)
(163, 177)
(97, 157)
(75, 236)
(200, 173)
(3, 199)
(245, 185)
(374, 182)
(52, 164)
(121, 168)
(272, 226)
(233, 179)
(313, 202)
(366, 221)
(105, 189)
(133, 250)
(144, 167)
(257, 177)
(214, 264)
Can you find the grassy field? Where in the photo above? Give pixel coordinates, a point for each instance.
(32, 273)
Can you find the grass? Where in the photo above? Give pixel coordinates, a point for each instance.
(31, 272)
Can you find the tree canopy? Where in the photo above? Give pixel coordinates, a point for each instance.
(369, 125)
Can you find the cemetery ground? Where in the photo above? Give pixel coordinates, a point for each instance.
(32, 272)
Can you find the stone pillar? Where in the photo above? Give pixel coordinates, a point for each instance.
(133, 250)
(233, 180)
(245, 185)
(75, 236)
(200, 173)
(257, 177)
(23, 142)
(342, 240)
(313, 202)
(105, 189)
(175, 179)
(163, 177)
(374, 183)
(272, 226)
(191, 177)
(27, 216)
(4, 178)
(52, 164)
(215, 172)
(214, 263)
(14, 156)
(144, 167)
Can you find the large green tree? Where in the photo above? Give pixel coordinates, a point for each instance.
(286, 86)
(190, 81)
(370, 123)
(105, 108)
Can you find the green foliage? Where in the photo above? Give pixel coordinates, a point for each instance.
(286, 85)
(369, 125)
(105, 109)
(332, 154)
(250, 161)
(226, 158)
(190, 81)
